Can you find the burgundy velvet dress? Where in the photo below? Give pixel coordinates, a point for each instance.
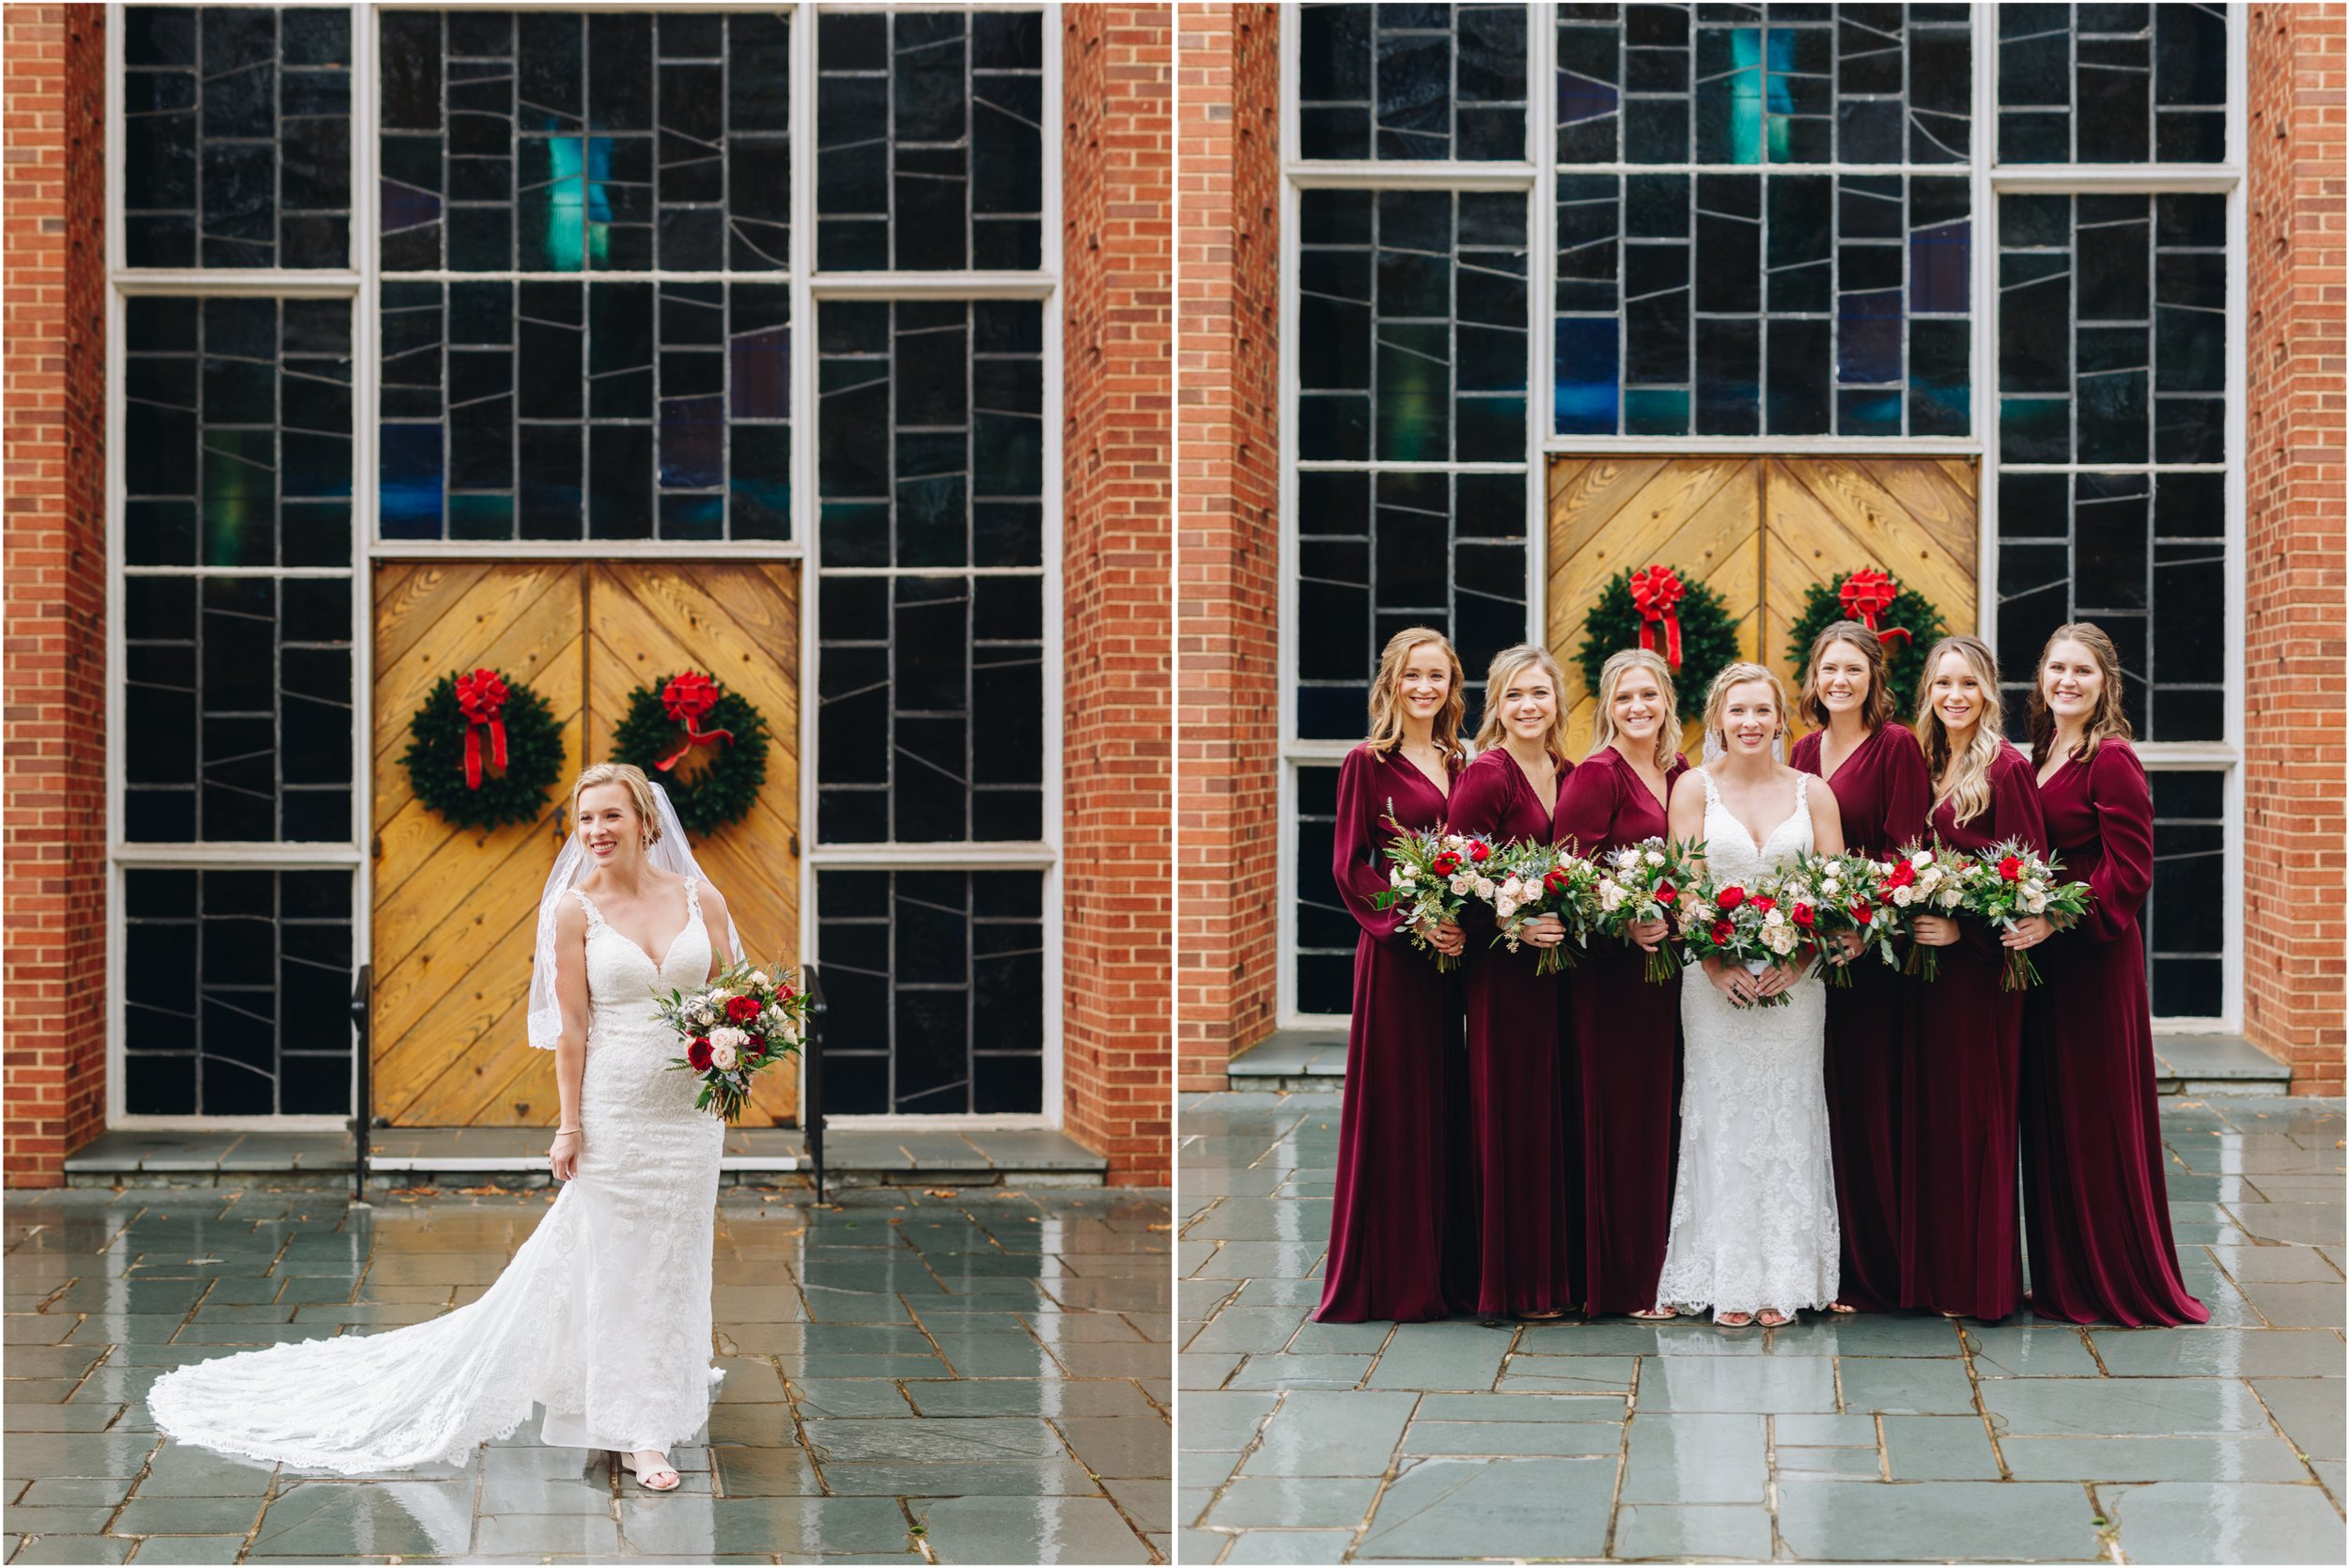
(1883, 794)
(1624, 1035)
(2096, 1208)
(1397, 1195)
(1964, 1071)
(1526, 1175)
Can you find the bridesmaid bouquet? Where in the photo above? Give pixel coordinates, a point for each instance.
(1757, 926)
(1434, 876)
(2011, 881)
(1537, 880)
(1925, 881)
(739, 1025)
(1847, 894)
(1645, 881)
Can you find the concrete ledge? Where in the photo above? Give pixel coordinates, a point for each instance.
(1308, 1061)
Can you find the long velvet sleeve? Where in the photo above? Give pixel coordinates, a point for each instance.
(1906, 790)
(2123, 803)
(1587, 802)
(1357, 864)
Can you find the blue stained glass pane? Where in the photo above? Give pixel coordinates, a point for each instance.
(1868, 338)
(693, 443)
(1939, 263)
(409, 506)
(1656, 411)
(1868, 413)
(1590, 361)
(1580, 99)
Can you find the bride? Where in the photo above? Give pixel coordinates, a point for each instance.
(1754, 1234)
(603, 1315)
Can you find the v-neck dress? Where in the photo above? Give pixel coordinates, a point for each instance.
(2096, 1205)
(1883, 795)
(1526, 1162)
(1622, 1034)
(1400, 1200)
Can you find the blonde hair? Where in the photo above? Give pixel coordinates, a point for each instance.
(1875, 709)
(1716, 695)
(1609, 675)
(1385, 707)
(1970, 794)
(1504, 667)
(639, 787)
(2110, 721)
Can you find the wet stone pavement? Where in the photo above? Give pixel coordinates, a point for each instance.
(910, 1377)
(1876, 1438)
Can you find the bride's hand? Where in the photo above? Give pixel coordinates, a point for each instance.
(1730, 981)
(1778, 977)
(563, 1157)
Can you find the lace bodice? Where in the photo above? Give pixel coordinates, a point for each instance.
(1730, 851)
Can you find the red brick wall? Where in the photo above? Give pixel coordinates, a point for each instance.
(2294, 934)
(53, 314)
(1229, 545)
(1118, 910)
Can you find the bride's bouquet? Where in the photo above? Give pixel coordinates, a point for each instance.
(1645, 881)
(1759, 926)
(739, 1025)
(1847, 894)
(2009, 881)
(1530, 881)
(1434, 876)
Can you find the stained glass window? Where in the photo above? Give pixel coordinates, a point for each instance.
(944, 971)
(2112, 84)
(1412, 81)
(1325, 931)
(930, 617)
(929, 141)
(2184, 917)
(236, 136)
(237, 987)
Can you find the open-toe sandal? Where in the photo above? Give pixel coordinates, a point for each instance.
(1842, 1308)
(1766, 1314)
(1655, 1315)
(1735, 1320)
(649, 1477)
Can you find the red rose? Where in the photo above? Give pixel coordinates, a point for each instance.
(741, 1009)
(1722, 931)
(1731, 897)
(2012, 869)
(784, 992)
(1904, 875)
(1665, 893)
(1862, 912)
(698, 1054)
(1765, 903)
(754, 1046)
(1803, 916)
(1445, 864)
(1479, 850)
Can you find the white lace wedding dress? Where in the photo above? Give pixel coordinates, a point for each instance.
(603, 1318)
(1753, 1222)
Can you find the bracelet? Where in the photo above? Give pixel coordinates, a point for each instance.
(567, 1132)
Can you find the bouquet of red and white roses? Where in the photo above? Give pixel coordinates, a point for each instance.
(1645, 881)
(1757, 925)
(1846, 892)
(740, 1024)
(2011, 880)
(1531, 881)
(1924, 881)
(1434, 876)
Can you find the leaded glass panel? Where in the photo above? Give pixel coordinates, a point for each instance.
(237, 992)
(1412, 81)
(929, 141)
(1325, 932)
(2095, 84)
(944, 973)
(2184, 917)
(563, 142)
(931, 617)
(236, 136)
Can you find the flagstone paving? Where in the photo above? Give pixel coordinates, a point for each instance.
(1903, 1438)
(912, 1377)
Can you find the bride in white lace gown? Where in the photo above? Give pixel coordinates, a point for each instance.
(603, 1315)
(1754, 1233)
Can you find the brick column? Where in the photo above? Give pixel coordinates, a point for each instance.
(1117, 837)
(53, 309)
(1228, 605)
(2293, 928)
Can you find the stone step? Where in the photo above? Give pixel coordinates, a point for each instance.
(516, 1157)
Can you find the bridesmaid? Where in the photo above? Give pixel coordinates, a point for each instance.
(1388, 1230)
(1965, 1034)
(1625, 1031)
(1872, 763)
(1527, 1178)
(2096, 1209)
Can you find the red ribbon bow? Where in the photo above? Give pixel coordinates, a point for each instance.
(1867, 593)
(1656, 591)
(687, 698)
(481, 697)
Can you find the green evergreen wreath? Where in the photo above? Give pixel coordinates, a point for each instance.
(1708, 638)
(436, 764)
(1822, 606)
(713, 795)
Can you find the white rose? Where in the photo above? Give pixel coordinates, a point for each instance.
(1627, 860)
(1463, 884)
(1655, 858)
(1505, 906)
(758, 978)
(720, 1057)
(1781, 941)
(1485, 889)
(1903, 896)
(1951, 899)
(1610, 896)
(1772, 921)
(1400, 880)
(703, 1015)
(2036, 903)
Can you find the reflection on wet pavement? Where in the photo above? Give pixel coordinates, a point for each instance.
(910, 1377)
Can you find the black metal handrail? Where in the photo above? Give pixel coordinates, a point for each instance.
(812, 1074)
(361, 1023)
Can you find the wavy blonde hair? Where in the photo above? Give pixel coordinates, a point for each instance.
(1875, 709)
(631, 778)
(1716, 695)
(1505, 667)
(1609, 675)
(1970, 794)
(1386, 705)
(2110, 721)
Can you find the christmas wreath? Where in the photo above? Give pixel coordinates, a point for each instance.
(667, 722)
(1653, 607)
(1905, 621)
(486, 751)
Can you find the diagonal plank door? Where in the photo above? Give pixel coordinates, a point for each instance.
(456, 911)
